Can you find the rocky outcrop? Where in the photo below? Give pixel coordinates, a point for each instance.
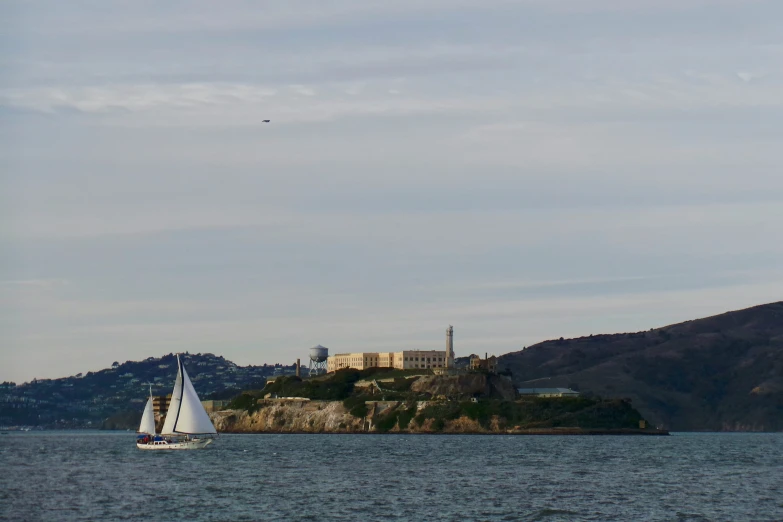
(289, 416)
(301, 416)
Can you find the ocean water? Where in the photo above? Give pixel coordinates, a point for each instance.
(96, 476)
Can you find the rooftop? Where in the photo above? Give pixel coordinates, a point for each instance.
(546, 391)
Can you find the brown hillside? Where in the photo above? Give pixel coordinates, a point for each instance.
(719, 373)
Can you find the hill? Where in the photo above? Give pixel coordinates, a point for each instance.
(83, 401)
(721, 373)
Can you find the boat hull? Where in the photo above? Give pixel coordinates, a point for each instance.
(175, 445)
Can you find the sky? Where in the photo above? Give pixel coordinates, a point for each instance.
(522, 170)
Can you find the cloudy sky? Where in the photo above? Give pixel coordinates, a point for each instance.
(522, 170)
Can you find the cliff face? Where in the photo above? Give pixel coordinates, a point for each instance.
(286, 416)
(289, 417)
(298, 416)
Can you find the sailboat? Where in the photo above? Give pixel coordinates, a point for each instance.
(146, 429)
(187, 425)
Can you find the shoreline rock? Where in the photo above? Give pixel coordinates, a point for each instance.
(331, 417)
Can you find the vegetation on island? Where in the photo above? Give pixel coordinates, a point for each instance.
(337, 386)
(524, 414)
(411, 402)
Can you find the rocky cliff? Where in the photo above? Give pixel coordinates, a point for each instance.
(289, 416)
(332, 417)
(436, 416)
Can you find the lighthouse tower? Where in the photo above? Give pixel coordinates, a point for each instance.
(450, 347)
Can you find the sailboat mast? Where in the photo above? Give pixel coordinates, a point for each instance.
(152, 403)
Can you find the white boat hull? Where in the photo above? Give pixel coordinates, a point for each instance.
(191, 444)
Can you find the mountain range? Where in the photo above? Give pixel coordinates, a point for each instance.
(720, 373)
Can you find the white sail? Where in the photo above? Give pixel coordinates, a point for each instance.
(147, 419)
(186, 415)
(174, 404)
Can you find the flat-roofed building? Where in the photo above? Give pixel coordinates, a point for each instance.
(548, 392)
(357, 361)
(404, 360)
(418, 359)
(439, 360)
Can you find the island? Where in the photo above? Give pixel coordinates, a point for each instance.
(384, 400)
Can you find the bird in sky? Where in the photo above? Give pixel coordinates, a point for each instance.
(265, 121)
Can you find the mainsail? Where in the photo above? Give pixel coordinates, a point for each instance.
(147, 419)
(186, 415)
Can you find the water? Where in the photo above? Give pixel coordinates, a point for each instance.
(96, 476)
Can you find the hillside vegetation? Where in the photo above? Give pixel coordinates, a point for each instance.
(719, 373)
(106, 397)
(382, 400)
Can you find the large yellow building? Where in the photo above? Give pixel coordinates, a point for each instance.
(405, 360)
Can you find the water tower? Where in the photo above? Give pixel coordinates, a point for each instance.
(318, 356)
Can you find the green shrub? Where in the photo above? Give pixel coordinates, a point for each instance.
(247, 401)
(406, 416)
(386, 422)
(360, 410)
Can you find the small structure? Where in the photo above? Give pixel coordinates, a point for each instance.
(214, 405)
(548, 392)
(450, 347)
(488, 364)
(318, 356)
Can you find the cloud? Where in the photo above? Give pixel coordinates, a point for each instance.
(527, 169)
(41, 283)
(239, 15)
(241, 104)
(302, 90)
(134, 98)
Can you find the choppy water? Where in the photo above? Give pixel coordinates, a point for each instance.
(65, 476)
